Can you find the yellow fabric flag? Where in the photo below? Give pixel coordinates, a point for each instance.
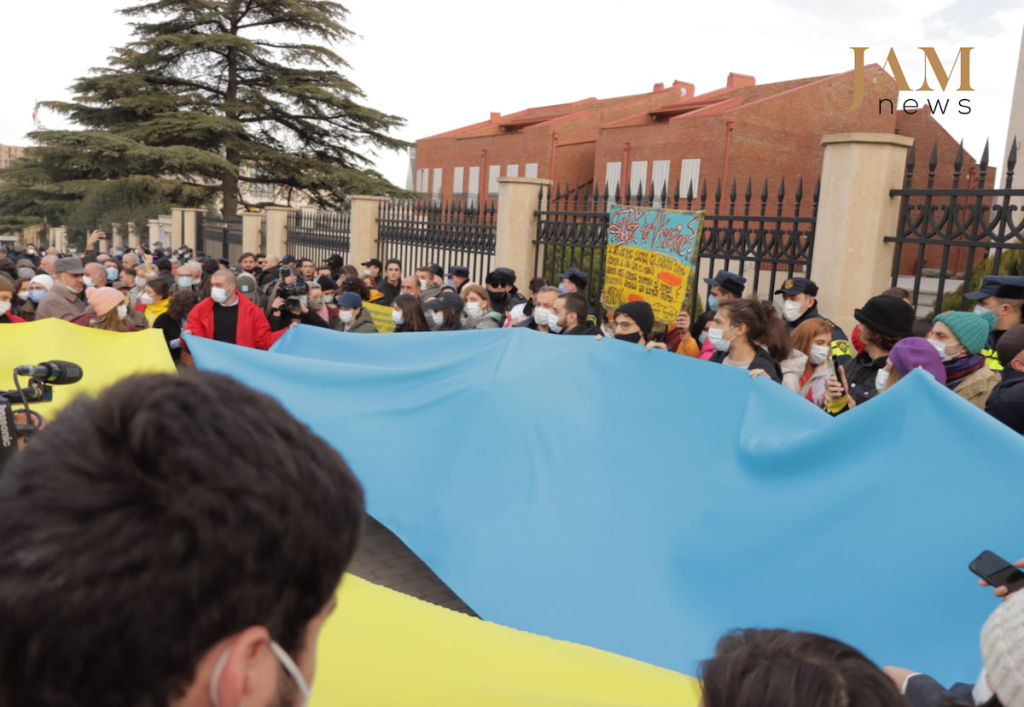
(105, 356)
(381, 648)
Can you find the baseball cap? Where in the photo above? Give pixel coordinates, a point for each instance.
(799, 286)
(72, 266)
(1002, 286)
(728, 281)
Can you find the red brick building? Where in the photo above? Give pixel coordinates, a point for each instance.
(674, 135)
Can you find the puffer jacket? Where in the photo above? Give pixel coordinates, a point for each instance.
(793, 369)
(1006, 403)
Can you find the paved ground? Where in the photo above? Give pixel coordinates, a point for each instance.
(384, 559)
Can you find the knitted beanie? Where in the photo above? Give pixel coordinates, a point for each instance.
(1002, 650)
(6, 285)
(104, 299)
(970, 329)
(44, 280)
(641, 313)
(915, 352)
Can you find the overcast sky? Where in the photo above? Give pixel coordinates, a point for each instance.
(448, 63)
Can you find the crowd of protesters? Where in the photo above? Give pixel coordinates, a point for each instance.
(979, 355)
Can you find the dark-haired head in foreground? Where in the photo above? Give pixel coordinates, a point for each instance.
(176, 541)
(776, 668)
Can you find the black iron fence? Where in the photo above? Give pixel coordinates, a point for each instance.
(451, 233)
(967, 231)
(221, 237)
(317, 235)
(773, 234)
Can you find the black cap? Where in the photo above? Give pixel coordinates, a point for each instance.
(1011, 343)
(728, 281)
(326, 283)
(373, 261)
(445, 300)
(335, 261)
(439, 271)
(224, 261)
(288, 259)
(887, 315)
(799, 286)
(459, 271)
(1002, 286)
(501, 276)
(576, 277)
(641, 313)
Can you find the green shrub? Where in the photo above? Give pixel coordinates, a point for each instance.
(1009, 264)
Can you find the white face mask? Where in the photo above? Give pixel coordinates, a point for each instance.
(819, 354)
(396, 316)
(185, 282)
(5, 307)
(87, 281)
(978, 309)
(140, 282)
(346, 316)
(328, 299)
(881, 380)
(438, 316)
(541, 317)
(553, 324)
(286, 661)
(941, 348)
(472, 309)
(146, 299)
(219, 294)
(423, 284)
(366, 271)
(791, 310)
(122, 311)
(23, 296)
(715, 336)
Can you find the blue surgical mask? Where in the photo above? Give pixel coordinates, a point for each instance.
(36, 295)
(712, 303)
(702, 338)
(111, 274)
(561, 288)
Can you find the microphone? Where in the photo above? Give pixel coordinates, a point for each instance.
(52, 372)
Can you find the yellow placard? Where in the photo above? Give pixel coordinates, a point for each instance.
(651, 256)
(382, 318)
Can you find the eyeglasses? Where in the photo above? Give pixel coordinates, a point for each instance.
(625, 325)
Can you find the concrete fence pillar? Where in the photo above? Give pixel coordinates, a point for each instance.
(852, 262)
(251, 225)
(277, 230)
(363, 227)
(58, 237)
(153, 235)
(518, 198)
(184, 228)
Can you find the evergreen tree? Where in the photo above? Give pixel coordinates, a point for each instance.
(209, 98)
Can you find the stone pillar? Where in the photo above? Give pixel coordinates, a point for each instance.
(277, 230)
(185, 228)
(363, 227)
(852, 262)
(58, 237)
(251, 225)
(154, 232)
(518, 198)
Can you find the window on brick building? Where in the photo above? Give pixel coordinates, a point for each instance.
(436, 196)
(422, 181)
(612, 177)
(473, 190)
(457, 179)
(638, 178)
(659, 181)
(512, 170)
(689, 178)
(493, 172)
(531, 170)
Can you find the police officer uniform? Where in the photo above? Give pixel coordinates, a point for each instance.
(1003, 287)
(841, 346)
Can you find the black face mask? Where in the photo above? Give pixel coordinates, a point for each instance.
(498, 300)
(631, 338)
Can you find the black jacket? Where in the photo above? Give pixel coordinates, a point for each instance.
(389, 291)
(583, 330)
(923, 691)
(762, 360)
(860, 375)
(285, 320)
(1006, 403)
(841, 345)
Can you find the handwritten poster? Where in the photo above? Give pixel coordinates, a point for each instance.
(652, 256)
(381, 317)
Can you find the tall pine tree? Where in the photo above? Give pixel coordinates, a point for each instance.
(210, 98)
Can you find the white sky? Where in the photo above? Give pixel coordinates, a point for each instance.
(448, 63)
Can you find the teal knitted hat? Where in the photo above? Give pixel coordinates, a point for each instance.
(971, 329)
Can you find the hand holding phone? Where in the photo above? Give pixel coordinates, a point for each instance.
(997, 572)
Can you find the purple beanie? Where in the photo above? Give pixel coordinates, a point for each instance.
(915, 352)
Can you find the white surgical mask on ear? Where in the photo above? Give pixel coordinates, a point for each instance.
(716, 337)
(423, 284)
(219, 294)
(472, 309)
(146, 299)
(540, 317)
(819, 354)
(122, 311)
(881, 380)
(5, 307)
(941, 348)
(282, 656)
(396, 317)
(791, 310)
(87, 281)
(345, 316)
(978, 309)
(438, 316)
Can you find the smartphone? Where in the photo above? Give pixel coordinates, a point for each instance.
(997, 571)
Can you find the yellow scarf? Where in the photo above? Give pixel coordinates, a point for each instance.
(155, 310)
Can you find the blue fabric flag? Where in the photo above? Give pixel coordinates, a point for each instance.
(645, 503)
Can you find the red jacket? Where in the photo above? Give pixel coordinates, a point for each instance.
(14, 319)
(253, 328)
